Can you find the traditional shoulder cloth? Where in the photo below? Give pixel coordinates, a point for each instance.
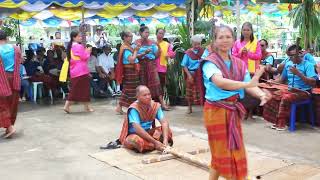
(119, 67)
(64, 71)
(163, 45)
(196, 56)
(252, 47)
(5, 89)
(144, 113)
(236, 73)
(148, 42)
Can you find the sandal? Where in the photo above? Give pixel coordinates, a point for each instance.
(166, 108)
(89, 110)
(66, 111)
(120, 112)
(112, 145)
(8, 135)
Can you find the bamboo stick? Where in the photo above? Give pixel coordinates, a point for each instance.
(188, 157)
(166, 157)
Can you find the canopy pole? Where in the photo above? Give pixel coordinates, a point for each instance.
(83, 27)
(191, 18)
(19, 36)
(238, 18)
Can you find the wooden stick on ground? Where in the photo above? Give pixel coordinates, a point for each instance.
(166, 157)
(188, 157)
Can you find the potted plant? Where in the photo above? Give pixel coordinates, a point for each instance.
(176, 88)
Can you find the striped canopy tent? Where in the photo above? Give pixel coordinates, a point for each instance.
(268, 8)
(31, 11)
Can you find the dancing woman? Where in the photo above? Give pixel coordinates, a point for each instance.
(226, 79)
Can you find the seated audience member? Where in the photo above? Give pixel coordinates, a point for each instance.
(36, 73)
(25, 84)
(92, 63)
(306, 56)
(301, 78)
(106, 69)
(267, 59)
(32, 45)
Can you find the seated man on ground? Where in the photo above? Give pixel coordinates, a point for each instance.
(301, 78)
(106, 69)
(138, 131)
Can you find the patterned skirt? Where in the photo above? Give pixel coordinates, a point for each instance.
(130, 83)
(231, 164)
(80, 89)
(135, 142)
(192, 91)
(149, 76)
(9, 106)
(316, 108)
(277, 110)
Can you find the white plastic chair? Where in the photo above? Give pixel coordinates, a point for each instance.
(39, 86)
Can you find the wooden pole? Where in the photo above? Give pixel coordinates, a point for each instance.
(188, 157)
(191, 19)
(238, 18)
(83, 27)
(166, 157)
(19, 35)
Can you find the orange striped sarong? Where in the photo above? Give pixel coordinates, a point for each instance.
(229, 163)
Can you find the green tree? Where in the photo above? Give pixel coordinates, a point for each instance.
(11, 27)
(306, 17)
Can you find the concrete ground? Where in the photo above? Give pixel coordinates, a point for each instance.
(52, 145)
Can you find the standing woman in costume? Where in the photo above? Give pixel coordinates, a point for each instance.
(78, 58)
(127, 71)
(226, 79)
(247, 48)
(165, 52)
(10, 58)
(192, 72)
(148, 67)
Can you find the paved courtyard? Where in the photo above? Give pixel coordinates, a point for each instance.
(52, 145)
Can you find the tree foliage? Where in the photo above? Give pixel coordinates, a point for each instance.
(11, 27)
(306, 17)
